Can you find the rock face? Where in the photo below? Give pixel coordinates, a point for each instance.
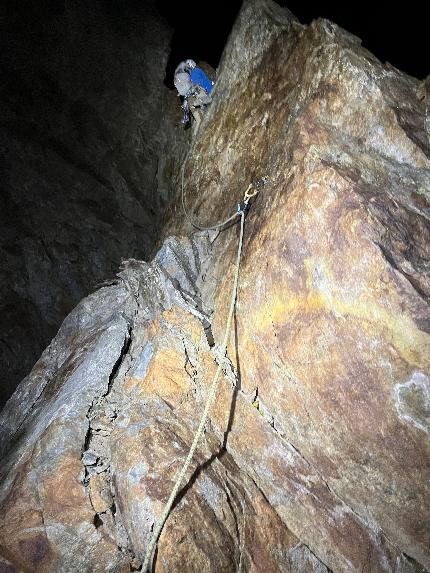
(316, 455)
(85, 170)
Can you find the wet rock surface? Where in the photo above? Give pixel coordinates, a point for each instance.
(87, 133)
(316, 454)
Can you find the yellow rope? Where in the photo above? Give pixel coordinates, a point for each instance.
(251, 191)
(212, 392)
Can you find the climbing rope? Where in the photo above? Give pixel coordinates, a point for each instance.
(240, 212)
(187, 215)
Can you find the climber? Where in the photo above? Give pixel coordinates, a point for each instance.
(195, 87)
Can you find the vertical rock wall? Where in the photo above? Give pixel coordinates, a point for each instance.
(332, 339)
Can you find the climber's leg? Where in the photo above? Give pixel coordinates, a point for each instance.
(196, 115)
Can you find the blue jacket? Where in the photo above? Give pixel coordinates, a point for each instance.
(200, 78)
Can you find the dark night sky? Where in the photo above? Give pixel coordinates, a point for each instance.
(396, 35)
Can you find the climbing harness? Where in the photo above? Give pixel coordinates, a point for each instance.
(197, 92)
(241, 210)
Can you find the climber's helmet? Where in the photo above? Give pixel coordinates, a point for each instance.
(190, 64)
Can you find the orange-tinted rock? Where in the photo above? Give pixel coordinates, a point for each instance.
(100, 495)
(316, 454)
(332, 321)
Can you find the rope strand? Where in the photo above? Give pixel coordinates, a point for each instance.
(212, 392)
(250, 192)
(187, 215)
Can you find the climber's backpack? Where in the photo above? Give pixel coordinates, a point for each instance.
(183, 83)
